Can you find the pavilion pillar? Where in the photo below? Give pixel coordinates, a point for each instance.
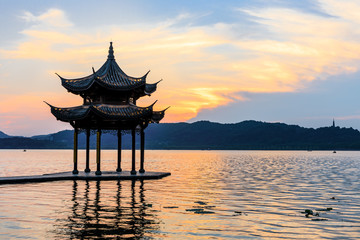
(133, 171)
(98, 149)
(118, 169)
(87, 169)
(142, 150)
(75, 171)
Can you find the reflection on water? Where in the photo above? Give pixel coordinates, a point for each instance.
(99, 213)
(210, 194)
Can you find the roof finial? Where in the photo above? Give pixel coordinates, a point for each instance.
(111, 52)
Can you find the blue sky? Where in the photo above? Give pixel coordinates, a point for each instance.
(295, 62)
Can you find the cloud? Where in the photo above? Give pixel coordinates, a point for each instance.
(204, 66)
(354, 117)
(51, 18)
(307, 46)
(347, 11)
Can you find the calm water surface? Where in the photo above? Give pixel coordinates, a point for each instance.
(210, 195)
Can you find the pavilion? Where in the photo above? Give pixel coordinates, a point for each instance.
(109, 103)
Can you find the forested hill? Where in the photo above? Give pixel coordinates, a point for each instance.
(3, 135)
(247, 135)
(251, 135)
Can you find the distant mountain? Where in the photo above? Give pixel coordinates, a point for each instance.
(28, 143)
(3, 135)
(250, 135)
(246, 135)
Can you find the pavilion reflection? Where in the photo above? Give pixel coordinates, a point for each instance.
(115, 211)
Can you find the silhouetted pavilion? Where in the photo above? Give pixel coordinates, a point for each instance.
(109, 104)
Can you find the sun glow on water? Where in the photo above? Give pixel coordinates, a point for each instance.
(221, 194)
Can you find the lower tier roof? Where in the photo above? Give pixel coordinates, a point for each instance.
(107, 116)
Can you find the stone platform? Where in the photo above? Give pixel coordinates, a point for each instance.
(106, 175)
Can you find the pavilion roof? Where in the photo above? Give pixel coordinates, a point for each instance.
(109, 76)
(130, 113)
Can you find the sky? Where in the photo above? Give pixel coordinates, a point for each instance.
(290, 61)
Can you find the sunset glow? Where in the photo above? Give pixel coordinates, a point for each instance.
(206, 63)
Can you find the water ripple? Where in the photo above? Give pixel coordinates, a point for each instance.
(210, 194)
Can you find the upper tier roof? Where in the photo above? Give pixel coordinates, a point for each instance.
(111, 77)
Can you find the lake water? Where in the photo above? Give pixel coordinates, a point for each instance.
(210, 195)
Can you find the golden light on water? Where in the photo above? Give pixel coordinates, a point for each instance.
(220, 194)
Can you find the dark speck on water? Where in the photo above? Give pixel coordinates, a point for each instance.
(238, 213)
(324, 209)
(204, 212)
(194, 209)
(308, 211)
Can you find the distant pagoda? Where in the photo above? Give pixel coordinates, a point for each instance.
(109, 104)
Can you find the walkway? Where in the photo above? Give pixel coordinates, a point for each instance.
(106, 175)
